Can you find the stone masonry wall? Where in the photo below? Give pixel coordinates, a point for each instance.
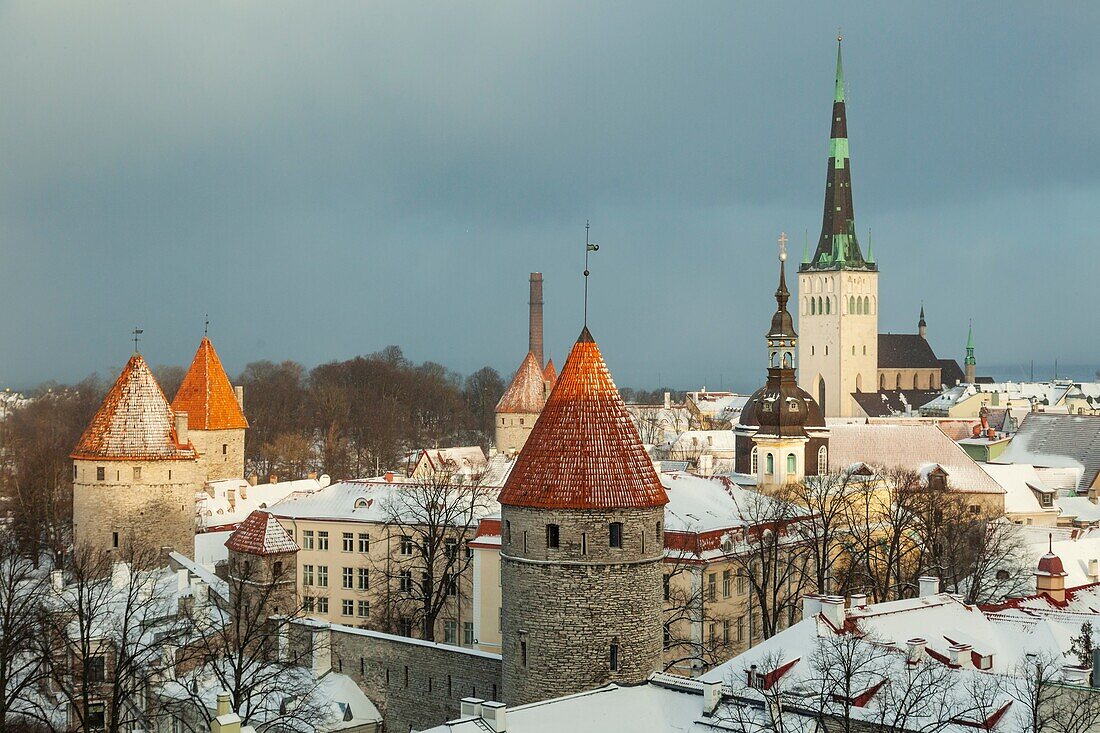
(215, 465)
(412, 682)
(512, 430)
(154, 510)
(568, 605)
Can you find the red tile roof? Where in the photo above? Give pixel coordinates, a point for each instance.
(526, 392)
(134, 423)
(206, 394)
(584, 452)
(261, 534)
(550, 373)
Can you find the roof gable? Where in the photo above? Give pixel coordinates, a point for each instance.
(206, 394)
(261, 534)
(905, 351)
(584, 452)
(526, 393)
(134, 422)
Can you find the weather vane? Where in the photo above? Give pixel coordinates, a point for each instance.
(137, 337)
(588, 247)
(206, 326)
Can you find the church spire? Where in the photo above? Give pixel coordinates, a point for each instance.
(922, 326)
(838, 247)
(970, 363)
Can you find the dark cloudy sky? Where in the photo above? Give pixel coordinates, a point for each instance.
(328, 178)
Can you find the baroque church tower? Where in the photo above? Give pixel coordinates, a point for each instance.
(582, 543)
(838, 289)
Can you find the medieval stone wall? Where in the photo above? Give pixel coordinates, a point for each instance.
(221, 453)
(565, 608)
(512, 430)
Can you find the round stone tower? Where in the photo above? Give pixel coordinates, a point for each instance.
(135, 472)
(582, 523)
(263, 566)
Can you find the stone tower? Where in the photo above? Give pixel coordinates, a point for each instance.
(970, 363)
(781, 434)
(582, 543)
(135, 472)
(520, 405)
(263, 565)
(215, 415)
(838, 289)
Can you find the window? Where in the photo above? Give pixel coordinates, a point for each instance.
(450, 546)
(468, 633)
(225, 448)
(307, 575)
(813, 307)
(307, 604)
(307, 539)
(770, 464)
(322, 540)
(726, 631)
(96, 669)
(114, 540)
(975, 509)
(614, 660)
(712, 586)
(667, 637)
(754, 460)
(363, 609)
(406, 580)
(364, 579)
(792, 464)
(525, 542)
(727, 583)
(507, 531)
(1047, 500)
(552, 536)
(822, 461)
(347, 607)
(523, 653)
(346, 578)
(450, 631)
(100, 473)
(322, 604)
(405, 626)
(450, 582)
(740, 628)
(615, 534)
(584, 543)
(322, 576)
(277, 570)
(668, 587)
(137, 473)
(740, 584)
(712, 632)
(348, 544)
(96, 716)
(364, 542)
(406, 545)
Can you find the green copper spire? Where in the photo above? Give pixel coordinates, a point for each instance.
(970, 360)
(806, 249)
(839, 97)
(870, 255)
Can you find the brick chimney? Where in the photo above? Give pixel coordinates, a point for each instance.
(535, 329)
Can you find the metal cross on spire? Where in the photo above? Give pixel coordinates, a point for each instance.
(137, 337)
(206, 326)
(588, 247)
(782, 246)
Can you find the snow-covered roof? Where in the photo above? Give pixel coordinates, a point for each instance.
(1018, 480)
(261, 534)
(364, 500)
(1080, 509)
(705, 441)
(1058, 441)
(910, 446)
(225, 504)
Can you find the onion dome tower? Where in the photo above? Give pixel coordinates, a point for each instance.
(215, 415)
(582, 523)
(1050, 576)
(781, 434)
(838, 287)
(135, 471)
(263, 565)
(520, 405)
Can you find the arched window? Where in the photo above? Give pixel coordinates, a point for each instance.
(813, 307)
(819, 305)
(866, 305)
(897, 384)
(851, 304)
(828, 309)
(882, 381)
(859, 383)
(774, 360)
(932, 380)
(770, 463)
(822, 461)
(821, 393)
(788, 360)
(859, 306)
(792, 464)
(277, 569)
(754, 460)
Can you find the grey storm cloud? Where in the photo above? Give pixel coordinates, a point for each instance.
(325, 179)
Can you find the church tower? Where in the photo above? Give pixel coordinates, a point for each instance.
(838, 289)
(582, 543)
(135, 471)
(215, 415)
(970, 363)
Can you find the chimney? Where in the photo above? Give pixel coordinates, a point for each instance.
(273, 478)
(183, 581)
(960, 656)
(320, 650)
(858, 600)
(811, 605)
(832, 607)
(1094, 570)
(239, 392)
(1096, 667)
(1075, 675)
(668, 400)
(929, 585)
(991, 434)
(535, 328)
(254, 478)
(470, 707)
(915, 653)
(706, 464)
(712, 696)
(496, 715)
(57, 580)
(181, 428)
(976, 432)
(223, 703)
(312, 475)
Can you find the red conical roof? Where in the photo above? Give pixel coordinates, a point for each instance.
(134, 423)
(261, 534)
(584, 452)
(550, 374)
(206, 394)
(526, 393)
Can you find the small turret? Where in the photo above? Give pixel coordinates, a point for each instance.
(1050, 576)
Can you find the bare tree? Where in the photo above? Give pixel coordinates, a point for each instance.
(881, 524)
(22, 588)
(1044, 703)
(428, 523)
(828, 501)
(696, 626)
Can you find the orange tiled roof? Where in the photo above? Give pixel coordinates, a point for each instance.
(550, 374)
(525, 393)
(134, 422)
(584, 452)
(261, 534)
(206, 394)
